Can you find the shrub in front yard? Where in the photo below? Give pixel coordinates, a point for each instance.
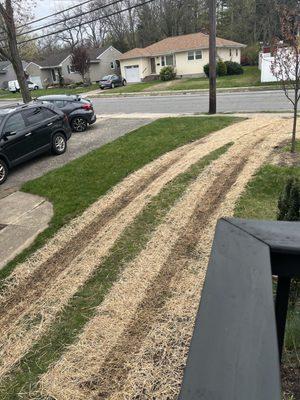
(221, 69)
(289, 201)
(234, 68)
(206, 70)
(250, 55)
(167, 73)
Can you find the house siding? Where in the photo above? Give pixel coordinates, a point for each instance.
(143, 63)
(33, 69)
(9, 75)
(98, 71)
(182, 65)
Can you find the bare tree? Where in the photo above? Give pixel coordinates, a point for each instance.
(8, 41)
(74, 31)
(286, 64)
(81, 61)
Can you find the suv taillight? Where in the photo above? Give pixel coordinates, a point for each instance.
(87, 106)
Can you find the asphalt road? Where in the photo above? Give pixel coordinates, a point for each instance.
(273, 100)
(97, 135)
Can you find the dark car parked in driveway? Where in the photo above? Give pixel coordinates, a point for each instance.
(80, 112)
(111, 81)
(29, 130)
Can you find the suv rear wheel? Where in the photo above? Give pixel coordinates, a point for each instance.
(59, 144)
(3, 171)
(78, 124)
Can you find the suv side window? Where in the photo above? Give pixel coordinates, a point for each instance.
(59, 103)
(47, 114)
(14, 123)
(37, 115)
(33, 115)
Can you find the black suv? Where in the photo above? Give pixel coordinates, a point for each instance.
(79, 111)
(29, 130)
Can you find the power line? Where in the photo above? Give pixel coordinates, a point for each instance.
(55, 14)
(69, 18)
(87, 22)
(51, 15)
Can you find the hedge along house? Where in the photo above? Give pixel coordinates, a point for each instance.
(187, 54)
(103, 61)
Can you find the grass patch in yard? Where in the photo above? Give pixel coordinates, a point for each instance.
(135, 87)
(75, 186)
(259, 201)
(250, 77)
(82, 306)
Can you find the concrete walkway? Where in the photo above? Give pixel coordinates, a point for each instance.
(22, 217)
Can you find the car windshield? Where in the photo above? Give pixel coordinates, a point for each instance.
(107, 77)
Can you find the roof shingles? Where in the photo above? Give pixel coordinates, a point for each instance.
(172, 44)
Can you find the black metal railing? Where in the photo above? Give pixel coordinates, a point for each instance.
(238, 338)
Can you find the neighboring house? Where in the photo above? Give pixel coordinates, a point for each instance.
(7, 73)
(187, 53)
(103, 61)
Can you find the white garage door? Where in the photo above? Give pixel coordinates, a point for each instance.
(132, 73)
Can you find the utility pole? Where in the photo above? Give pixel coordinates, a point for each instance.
(212, 58)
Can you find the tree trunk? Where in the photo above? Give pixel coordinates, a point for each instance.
(293, 147)
(14, 52)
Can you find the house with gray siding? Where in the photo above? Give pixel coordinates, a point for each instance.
(103, 61)
(7, 72)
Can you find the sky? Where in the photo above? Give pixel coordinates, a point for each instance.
(46, 7)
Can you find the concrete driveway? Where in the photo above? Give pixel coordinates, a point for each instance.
(104, 131)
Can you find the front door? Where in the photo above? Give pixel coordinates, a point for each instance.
(153, 66)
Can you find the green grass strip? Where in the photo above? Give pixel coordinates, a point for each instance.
(259, 201)
(81, 308)
(75, 186)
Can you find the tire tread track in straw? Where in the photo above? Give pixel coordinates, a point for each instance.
(162, 355)
(79, 373)
(24, 322)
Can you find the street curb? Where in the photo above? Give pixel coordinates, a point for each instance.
(168, 92)
(184, 92)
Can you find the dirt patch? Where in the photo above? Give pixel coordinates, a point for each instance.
(161, 86)
(77, 375)
(43, 293)
(290, 382)
(115, 368)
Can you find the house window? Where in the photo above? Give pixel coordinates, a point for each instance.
(72, 69)
(195, 55)
(230, 52)
(167, 60)
(236, 52)
(198, 54)
(191, 55)
(112, 65)
(53, 74)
